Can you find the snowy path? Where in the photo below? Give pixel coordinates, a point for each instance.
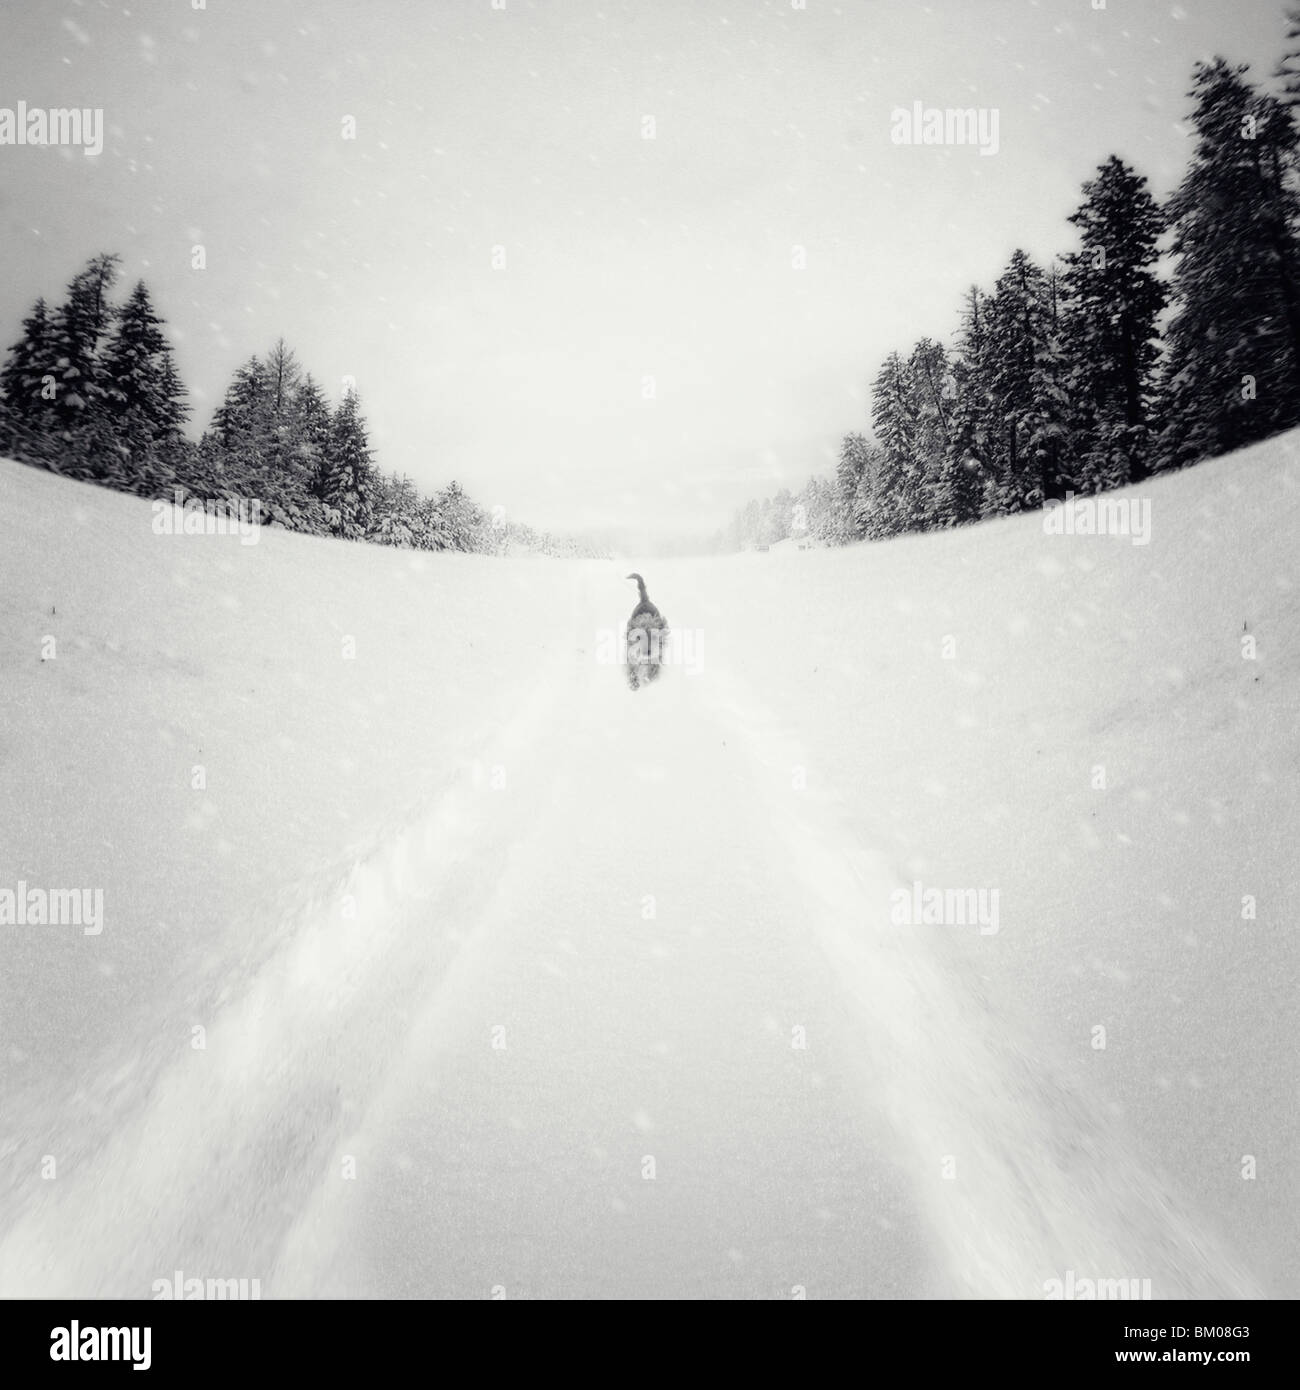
(519, 914)
(627, 1039)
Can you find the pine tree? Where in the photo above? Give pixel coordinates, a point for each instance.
(313, 414)
(275, 425)
(349, 481)
(283, 378)
(284, 382)
(1114, 300)
(959, 490)
(27, 380)
(396, 517)
(892, 499)
(826, 518)
(1234, 347)
(929, 372)
(963, 474)
(1027, 401)
(432, 533)
(78, 331)
(462, 521)
(292, 472)
(243, 417)
(145, 396)
(855, 454)
(233, 451)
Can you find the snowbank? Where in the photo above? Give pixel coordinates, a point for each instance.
(340, 799)
(1107, 733)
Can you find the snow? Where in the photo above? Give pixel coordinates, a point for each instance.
(502, 970)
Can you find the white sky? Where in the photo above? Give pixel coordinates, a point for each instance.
(627, 258)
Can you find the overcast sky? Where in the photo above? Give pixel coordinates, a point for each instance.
(626, 258)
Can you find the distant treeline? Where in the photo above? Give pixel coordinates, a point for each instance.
(1098, 371)
(91, 391)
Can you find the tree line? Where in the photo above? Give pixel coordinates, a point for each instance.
(91, 391)
(1099, 370)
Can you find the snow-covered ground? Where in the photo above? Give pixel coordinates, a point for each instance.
(509, 979)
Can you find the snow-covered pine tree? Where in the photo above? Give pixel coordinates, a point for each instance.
(233, 451)
(27, 382)
(463, 522)
(242, 418)
(312, 409)
(894, 497)
(1113, 302)
(831, 522)
(960, 489)
(819, 508)
(79, 329)
(1027, 401)
(283, 378)
(349, 479)
(928, 373)
(145, 397)
(291, 472)
(869, 518)
(396, 516)
(855, 454)
(433, 533)
(274, 426)
(1233, 373)
(840, 527)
